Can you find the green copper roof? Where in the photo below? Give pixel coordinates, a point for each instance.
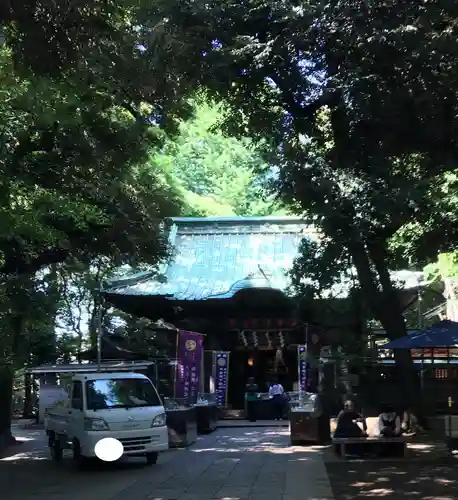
(217, 256)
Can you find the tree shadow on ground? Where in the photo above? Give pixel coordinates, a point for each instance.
(230, 463)
(26, 468)
(398, 479)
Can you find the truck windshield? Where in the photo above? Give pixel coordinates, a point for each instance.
(120, 393)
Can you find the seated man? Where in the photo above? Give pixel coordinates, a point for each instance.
(389, 426)
(347, 426)
(389, 423)
(347, 422)
(409, 424)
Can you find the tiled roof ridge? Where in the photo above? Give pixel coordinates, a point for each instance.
(243, 225)
(242, 220)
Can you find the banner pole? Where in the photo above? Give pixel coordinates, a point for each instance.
(202, 368)
(176, 365)
(298, 367)
(213, 375)
(227, 378)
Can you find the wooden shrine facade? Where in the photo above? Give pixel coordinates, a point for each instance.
(228, 279)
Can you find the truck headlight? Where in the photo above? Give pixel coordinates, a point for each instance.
(159, 420)
(95, 424)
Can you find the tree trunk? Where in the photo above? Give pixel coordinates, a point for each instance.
(369, 255)
(391, 317)
(384, 303)
(6, 405)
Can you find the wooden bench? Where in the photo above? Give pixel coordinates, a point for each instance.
(370, 440)
(372, 426)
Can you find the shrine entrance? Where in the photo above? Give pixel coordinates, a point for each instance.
(267, 359)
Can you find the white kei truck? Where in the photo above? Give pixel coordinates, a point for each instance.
(124, 406)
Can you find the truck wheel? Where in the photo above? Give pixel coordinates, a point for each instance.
(78, 459)
(56, 449)
(151, 458)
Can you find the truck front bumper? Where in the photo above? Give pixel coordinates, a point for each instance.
(138, 442)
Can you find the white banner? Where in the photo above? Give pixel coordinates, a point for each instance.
(221, 375)
(302, 367)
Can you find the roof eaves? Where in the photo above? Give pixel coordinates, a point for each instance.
(171, 241)
(134, 279)
(238, 220)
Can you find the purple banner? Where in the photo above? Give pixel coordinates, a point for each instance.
(189, 356)
(221, 367)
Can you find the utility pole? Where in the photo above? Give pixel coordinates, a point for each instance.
(101, 305)
(419, 308)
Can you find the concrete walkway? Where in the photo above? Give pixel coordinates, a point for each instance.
(230, 464)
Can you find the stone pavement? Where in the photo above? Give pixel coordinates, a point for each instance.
(230, 464)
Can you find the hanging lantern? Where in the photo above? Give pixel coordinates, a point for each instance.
(250, 362)
(279, 361)
(268, 339)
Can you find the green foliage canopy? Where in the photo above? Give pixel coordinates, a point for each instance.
(218, 175)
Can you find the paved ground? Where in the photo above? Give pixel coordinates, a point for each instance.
(258, 423)
(230, 464)
(433, 480)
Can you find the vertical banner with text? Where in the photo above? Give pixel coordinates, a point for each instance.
(302, 367)
(221, 375)
(189, 355)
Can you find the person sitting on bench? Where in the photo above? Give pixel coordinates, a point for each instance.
(409, 424)
(389, 423)
(347, 422)
(389, 426)
(347, 426)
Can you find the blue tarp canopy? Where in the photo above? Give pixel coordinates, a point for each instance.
(442, 334)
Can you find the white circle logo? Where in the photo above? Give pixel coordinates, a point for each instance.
(109, 450)
(191, 345)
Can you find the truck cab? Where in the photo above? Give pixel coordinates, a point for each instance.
(124, 406)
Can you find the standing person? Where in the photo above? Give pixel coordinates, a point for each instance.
(277, 393)
(251, 390)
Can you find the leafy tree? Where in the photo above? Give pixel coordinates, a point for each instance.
(435, 231)
(350, 96)
(101, 50)
(443, 274)
(150, 338)
(82, 310)
(28, 308)
(82, 104)
(446, 266)
(73, 180)
(218, 175)
(73, 185)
